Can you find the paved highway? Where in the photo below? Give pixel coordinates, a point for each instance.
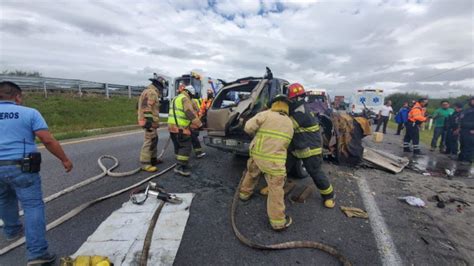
(208, 237)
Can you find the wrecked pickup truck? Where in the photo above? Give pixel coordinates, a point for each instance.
(237, 102)
(240, 100)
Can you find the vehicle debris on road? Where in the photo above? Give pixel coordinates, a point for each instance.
(354, 212)
(413, 201)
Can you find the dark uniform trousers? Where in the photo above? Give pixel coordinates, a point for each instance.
(195, 141)
(182, 147)
(313, 167)
(467, 145)
(412, 134)
(452, 142)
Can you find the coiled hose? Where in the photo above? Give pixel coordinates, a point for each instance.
(285, 245)
(105, 172)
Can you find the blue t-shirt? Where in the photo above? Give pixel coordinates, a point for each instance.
(18, 125)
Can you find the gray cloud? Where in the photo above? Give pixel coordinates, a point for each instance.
(340, 45)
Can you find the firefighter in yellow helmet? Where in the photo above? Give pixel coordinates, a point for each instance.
(148, 118)
(273, 132)
(307, 143)
(182, 118)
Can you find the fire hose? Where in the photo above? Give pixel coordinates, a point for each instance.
(281, 246)
(105, 171)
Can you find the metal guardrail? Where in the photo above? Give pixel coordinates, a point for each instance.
(81, 86)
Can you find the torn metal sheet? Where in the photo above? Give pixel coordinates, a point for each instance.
(384, 160)
(120, 237)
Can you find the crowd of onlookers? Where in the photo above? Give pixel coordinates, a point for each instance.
(453, 132)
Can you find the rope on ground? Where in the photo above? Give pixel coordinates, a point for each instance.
(285, 245)
(88, 204)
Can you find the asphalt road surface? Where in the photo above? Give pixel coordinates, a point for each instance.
(208, 237)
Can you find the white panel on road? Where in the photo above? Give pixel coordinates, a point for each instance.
(120, 237)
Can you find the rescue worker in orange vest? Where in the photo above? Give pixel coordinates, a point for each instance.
(273, 131)
(416, 117)
(206, 104)
(182, 118)
(148, 118)
(195, 133)
(307, 143)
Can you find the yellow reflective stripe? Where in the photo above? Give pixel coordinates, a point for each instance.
(274, 134)
(314, 128)
(278, 221)
(182, 158)
(266, 157)
(327, 191)
(299, 129)
(307, 152)
(273, 172)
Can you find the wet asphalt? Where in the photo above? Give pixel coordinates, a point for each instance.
(208, 237)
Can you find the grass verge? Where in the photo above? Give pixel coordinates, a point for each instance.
(425, 135)
(70, 116)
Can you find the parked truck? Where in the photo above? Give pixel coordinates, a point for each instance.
(199, 81)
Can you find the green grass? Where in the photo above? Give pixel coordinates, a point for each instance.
(70, 116)
(425, 135)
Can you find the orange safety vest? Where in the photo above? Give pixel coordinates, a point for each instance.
(206, 104)
(417, 113)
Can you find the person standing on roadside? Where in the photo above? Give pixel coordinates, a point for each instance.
(402, 117)
(383, 116)
(439, 118)
(149, 119)
(20, 180)
(416, 117)
(182, 119)
(452, 131)
(466, 134)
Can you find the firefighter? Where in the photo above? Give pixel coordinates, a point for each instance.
(182, 118)
(273, 131)
(416, 117)
(466, 135)
(307, 143)
(197, 101)
(148, 118)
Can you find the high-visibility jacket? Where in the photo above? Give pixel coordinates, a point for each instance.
(307, 140)
(149, 105)
(273, 132)
(417, 113)
(182, 116)
(196, 105)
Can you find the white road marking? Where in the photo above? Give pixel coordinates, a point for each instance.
(120, 237)
(99, 138)
(385, 244)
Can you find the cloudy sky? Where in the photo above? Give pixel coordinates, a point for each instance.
(339, 45)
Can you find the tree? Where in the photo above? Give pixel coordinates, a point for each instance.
(22, 73)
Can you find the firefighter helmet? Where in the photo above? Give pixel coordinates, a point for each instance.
(190, 90)
(295, 90)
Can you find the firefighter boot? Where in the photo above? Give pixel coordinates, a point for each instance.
(149, 168)
(329, 203)
(182, 170)
(286, 224)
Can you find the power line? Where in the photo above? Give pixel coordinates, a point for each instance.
(446, 71)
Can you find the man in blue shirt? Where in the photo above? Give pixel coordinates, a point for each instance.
(19, 126)
(402, 117)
